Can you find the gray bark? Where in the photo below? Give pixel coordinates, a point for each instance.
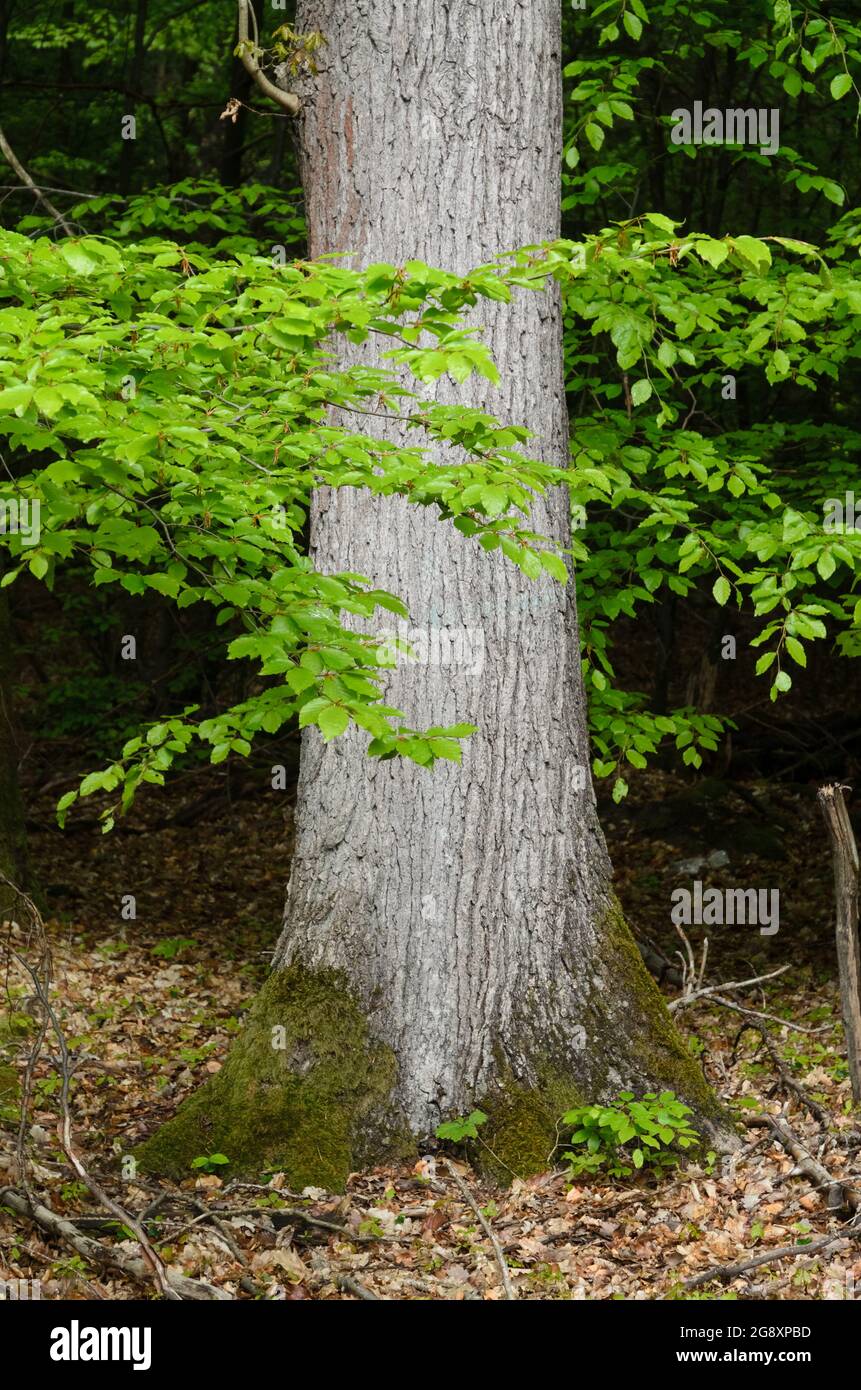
(467, 906)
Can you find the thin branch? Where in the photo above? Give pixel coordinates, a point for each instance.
(750, 1013)
(488, 1230)
(248, 58)
(12, 159)
(785, 1252)
(700, 993)
(95, 1252)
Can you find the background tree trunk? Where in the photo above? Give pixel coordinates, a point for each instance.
(12, 836)
(450, 938)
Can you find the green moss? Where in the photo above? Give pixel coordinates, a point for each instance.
(650, 1034)
(632, 1044)
(307, 1090)
(10, 1088)
(522, 1127)
(304, 1090)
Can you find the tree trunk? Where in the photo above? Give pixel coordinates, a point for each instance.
(12, 837)
(450, 939)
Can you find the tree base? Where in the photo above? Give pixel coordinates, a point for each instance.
(306, 1090)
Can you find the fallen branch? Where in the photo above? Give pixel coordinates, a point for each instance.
(753, 1013)
(488, 1230)
(727, 1272)
(691, 996)
(95, 1252)
(840, 1194)
(289, 1216)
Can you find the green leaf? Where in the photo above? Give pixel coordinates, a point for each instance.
(332, 721)
(641, 391)
(840, 85)
(494, 500)
(715, 252)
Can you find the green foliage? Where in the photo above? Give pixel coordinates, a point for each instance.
(177, 410)
(689, 497)
(673, 513)
(632, 1134)
(198, 213)
(637, 61)
(173, 946)
(689, 485)
(81, 68)
(461, 1128)
(210, 1163)
(177, 404)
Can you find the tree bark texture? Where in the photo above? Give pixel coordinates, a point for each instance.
(847, 884)
(464, 913)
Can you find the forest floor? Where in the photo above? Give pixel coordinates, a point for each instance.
(148, 1008)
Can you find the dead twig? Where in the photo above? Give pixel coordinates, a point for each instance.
(785, 1252)
(96, 1253)
(487, 1228)
(690, 996)
(12, 159)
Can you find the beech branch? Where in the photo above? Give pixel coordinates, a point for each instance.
(248, 57)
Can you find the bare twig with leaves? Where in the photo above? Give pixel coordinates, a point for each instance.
(248, 49)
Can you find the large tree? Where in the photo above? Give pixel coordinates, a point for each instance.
(451, 938)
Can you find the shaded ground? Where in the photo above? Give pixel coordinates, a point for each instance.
(149, 1006)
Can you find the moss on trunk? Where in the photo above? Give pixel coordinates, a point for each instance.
(649, 1034)
(304, 1090)
(307, 1090)
(631, 1043)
